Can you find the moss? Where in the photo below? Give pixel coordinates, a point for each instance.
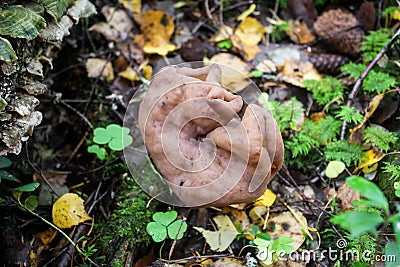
(125, 231)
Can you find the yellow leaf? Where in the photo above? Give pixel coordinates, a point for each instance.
(221, 239)
(246, 37)
(369, 158)
(135, 6)
(247, 12)
(224, 33)
(157, 28)
(147, 72)
(97, 67)
(68, 211)
(47, 236)
(396, 14)
(267, 199)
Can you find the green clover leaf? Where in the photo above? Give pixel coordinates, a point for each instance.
(165, 225)
(114, 135)
(99, 151)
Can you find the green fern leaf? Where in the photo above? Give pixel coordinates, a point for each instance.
(343, 151)
(378, 82)
(379, 137)
(349, 115)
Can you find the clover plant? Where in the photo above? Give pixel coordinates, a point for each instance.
(164, 225)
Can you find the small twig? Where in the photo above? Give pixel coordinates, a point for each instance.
(360, 80)
(83, 117)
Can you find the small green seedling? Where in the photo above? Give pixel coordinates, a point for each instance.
(31, 202)
(225, 44)
(269, 251)
(165, 225)
(116, 137)
(5, 163)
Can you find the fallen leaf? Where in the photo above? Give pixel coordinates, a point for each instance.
(299, 32)
(234, 72)
(97, 67)
(68, 211)
(238, 216)
(246, 13)
(157, 28)
(129, 74)
(285, 224)
(246, 37)
(134, 6)
(257, 213)
(267, 199)
(334, 168)
(118, 25)
(295, 72)
(372, 106)
(221, 239)
(347, 195)
(369, 158)
(228, 262)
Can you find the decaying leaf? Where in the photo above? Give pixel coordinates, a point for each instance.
(221, 239)
(246, 37)
(81, 9)
(372, 106)
(97, 67)
(295, 72)
(47, 236)
(257, 213)
(369, 158)
(347, 195)
(334, 168)
(157, 28)
(68, 211)
(285, 224)
(118, 24)
(232, 80)
(134, 6)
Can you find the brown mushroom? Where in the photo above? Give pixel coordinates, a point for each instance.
(207, 154)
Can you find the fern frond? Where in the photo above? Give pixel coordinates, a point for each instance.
(300, 144)
(326, 90)
(373, 43)
(343, 151)
(392, 169)
(378, 82)
(353, 70)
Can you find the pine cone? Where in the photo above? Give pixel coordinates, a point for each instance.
(340, 30)
(327, 63)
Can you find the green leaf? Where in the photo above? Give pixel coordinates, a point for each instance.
(369, 190)
(378, 82)
(7, 52)
(176, 226)
(19, 22)
(349, 114)
(27, 188)
(225, 44)
(4, 162)
(353, 70)
(326, 90)
(116, 144)
(165, 218)
(157, 231)
(392, 254)
(257, 73)
(334, 168)
(358, 222)
(31, 203)
(379, 137)
(343, 151)
(101, 136)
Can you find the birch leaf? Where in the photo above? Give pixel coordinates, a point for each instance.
(68, 211)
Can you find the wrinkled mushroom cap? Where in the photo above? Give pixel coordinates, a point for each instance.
(208, 154)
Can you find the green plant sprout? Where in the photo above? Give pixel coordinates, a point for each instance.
(5, 163)
(165, 225)
(116, 137)
(269, 251)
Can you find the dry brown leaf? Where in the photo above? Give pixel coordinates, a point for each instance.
(295, 72)
(134, 6)
(246, 37)
(157, 28)
(372, 106)
(97, 67)
(299, 32)
(118, 25)
(347, 195)
(286, 225)
(231, 79)
(47, 236)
